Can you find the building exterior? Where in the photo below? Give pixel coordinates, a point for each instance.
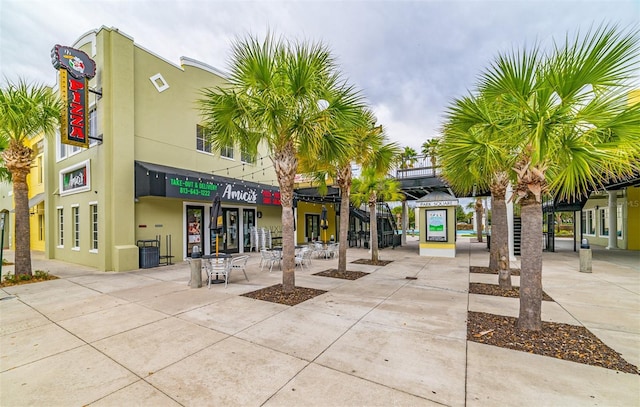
(149, 174)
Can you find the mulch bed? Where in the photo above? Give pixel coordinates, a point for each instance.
(275, 294)
(486, 270)
(561, 341)
(34, 279)
(346, 275)
(494, 289)
(372, 263)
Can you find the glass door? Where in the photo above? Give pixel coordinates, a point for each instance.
(230, 231)
(248, 221)
(312, 227)
(194, 229)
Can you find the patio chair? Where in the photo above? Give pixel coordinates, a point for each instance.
(217, 267)
(319, 250)
(303, 257)
(238, 263)
(332, 250)
(269, 258)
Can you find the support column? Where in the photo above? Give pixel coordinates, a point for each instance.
(613, 220)
(405, 222)
(508, 200)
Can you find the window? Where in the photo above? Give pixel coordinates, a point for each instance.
(202, 139)
(591, 226)
(227, 152)
(75, 214)
(60, 227)
(246, 157)
(40, 227)
(619, 222)
(93, 210)
(93, 126)
(40, 169)
(604, 222)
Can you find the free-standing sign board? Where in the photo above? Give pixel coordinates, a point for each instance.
(436, 225)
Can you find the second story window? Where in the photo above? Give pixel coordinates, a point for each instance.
(246, 157)
(202, 139)
(227, 152)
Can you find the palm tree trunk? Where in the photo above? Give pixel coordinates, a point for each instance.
(499, 252)
(286, 166)
(478, 209)
(500, 241)
(530, 317)
(373, 228)
(344, 229)
(22, 226)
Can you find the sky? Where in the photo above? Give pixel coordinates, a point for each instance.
(410, 59)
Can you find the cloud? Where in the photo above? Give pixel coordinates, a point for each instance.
(410, 58)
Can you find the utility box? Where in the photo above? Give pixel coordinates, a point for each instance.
(149, 253)
(438, 224)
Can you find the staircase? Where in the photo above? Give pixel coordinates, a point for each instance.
(517, 235)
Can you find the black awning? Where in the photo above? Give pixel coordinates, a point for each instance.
(161, 180)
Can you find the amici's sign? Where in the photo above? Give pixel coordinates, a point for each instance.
(76, 68)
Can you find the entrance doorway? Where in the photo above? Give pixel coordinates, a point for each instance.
(231, 239)
(248, 221)
(312, 227)
(194, 229)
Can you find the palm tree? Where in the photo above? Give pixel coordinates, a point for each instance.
(474, 154)
(371, 187)
(288, 96)
(26, 110)
(367, 147)
(430, 148)
(571, 131)
(408, 158)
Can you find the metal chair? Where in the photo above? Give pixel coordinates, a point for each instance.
(219, 267)
(269, 257)
(303, 257)
(238, 263)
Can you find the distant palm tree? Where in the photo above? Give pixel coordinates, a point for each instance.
(289, 96)
(26, 110)
(408, 158)
(430, 148)
(371, 187)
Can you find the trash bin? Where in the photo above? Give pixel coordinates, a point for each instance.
(149, 253)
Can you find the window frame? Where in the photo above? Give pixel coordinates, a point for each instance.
(75, 230)
(93, 222)
(604, 228)
(60, 213)
(203, 145)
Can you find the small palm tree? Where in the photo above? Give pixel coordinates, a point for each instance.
(408, 158)
(371, 187)
(288, 96)
(430, 148)
(367, 147)
(26, 110)
(474, 153)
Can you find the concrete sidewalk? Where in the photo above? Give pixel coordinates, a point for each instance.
(145, 338)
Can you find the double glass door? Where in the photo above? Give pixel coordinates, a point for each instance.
(229, 239)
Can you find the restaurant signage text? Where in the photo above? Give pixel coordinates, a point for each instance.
(178, 186)
(76, 178)
(76, 68)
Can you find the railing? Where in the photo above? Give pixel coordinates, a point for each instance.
(419, 166)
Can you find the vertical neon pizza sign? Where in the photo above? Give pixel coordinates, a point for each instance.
(76, 68)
